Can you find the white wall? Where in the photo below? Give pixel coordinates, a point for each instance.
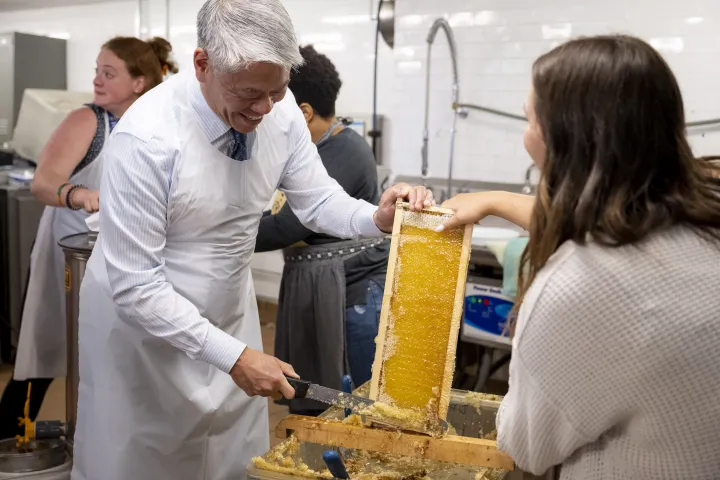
(497, 40)
(86, 28)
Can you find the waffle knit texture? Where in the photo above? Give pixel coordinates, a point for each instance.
(615, 370)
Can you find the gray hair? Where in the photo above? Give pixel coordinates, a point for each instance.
(237, 33)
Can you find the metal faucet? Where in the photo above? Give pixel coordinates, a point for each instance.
(438, 24)
(527, 188)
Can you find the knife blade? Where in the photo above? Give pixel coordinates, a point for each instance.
(305, 389)
(337, 398)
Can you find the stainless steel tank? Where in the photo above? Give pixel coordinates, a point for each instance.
(77, 249)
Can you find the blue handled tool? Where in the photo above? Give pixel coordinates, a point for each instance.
(347, 388)
(334, 462)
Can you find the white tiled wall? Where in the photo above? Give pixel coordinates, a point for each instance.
(497, 40)
(86, 28)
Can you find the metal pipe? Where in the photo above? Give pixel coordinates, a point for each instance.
(703, 123)
(77, 250)
(167, 20)
(500, 113)
(144, 27)
(438, 24)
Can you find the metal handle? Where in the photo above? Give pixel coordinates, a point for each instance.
(301, 386)
(46, 430)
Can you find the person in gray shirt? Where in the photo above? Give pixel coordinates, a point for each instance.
(310, 333)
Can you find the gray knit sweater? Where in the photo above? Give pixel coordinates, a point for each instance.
(615, 370)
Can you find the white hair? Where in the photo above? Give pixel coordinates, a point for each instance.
(237, 33)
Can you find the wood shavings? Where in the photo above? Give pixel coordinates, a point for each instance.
(300, 470)
(284, 458)
(477, 399)
(354, 420)
(404, 418)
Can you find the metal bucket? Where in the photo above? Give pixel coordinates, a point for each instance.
(77, 249)
(41, 455)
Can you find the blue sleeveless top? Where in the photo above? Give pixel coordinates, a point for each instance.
(98, 140)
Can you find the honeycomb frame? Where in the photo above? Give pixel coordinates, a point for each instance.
(383, 347)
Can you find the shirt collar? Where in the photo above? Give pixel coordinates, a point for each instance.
(213, 126)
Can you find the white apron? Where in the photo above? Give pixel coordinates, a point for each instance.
(146, 411)
(42, 342)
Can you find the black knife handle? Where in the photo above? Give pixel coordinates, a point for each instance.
(301, 386)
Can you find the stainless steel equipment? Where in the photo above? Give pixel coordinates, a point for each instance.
(27, 61)
(386, 21)
(438, 24)
(77, 249)
(37, 456)
(20, 214)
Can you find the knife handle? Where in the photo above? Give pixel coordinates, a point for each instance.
(301, 386)
(335, 464)
(347, 388)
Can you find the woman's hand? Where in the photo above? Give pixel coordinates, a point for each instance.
(418, 197)
(470, 208)
(86, 199)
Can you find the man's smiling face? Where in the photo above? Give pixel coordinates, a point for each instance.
(241, 98)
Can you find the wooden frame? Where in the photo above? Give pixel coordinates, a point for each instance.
(377, 369)
(450, 448)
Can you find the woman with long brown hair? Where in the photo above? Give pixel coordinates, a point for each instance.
(614, 371)
(67, 180)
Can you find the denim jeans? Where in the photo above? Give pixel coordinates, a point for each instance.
(361, 326)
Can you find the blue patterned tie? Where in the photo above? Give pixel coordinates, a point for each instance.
(239, 146)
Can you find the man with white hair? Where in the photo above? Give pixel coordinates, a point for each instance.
(168, 319)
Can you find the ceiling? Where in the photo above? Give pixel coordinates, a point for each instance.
(9, 5)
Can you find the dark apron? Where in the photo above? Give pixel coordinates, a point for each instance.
(310, 329)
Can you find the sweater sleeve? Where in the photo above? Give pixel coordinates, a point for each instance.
(567, 386)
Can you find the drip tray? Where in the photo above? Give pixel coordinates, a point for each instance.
(36, 456)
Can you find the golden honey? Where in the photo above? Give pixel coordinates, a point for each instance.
(420, 322)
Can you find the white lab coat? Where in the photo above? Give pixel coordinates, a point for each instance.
(42, 344)
(147, 411)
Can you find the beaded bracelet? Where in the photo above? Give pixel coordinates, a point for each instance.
(59, 191)
(68, 196)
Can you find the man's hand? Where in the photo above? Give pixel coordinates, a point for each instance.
(260, 374)
(417, 197)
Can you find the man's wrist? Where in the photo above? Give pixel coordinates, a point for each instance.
(379, 227)
(239, 363)
(221, 349)
(364, 224)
